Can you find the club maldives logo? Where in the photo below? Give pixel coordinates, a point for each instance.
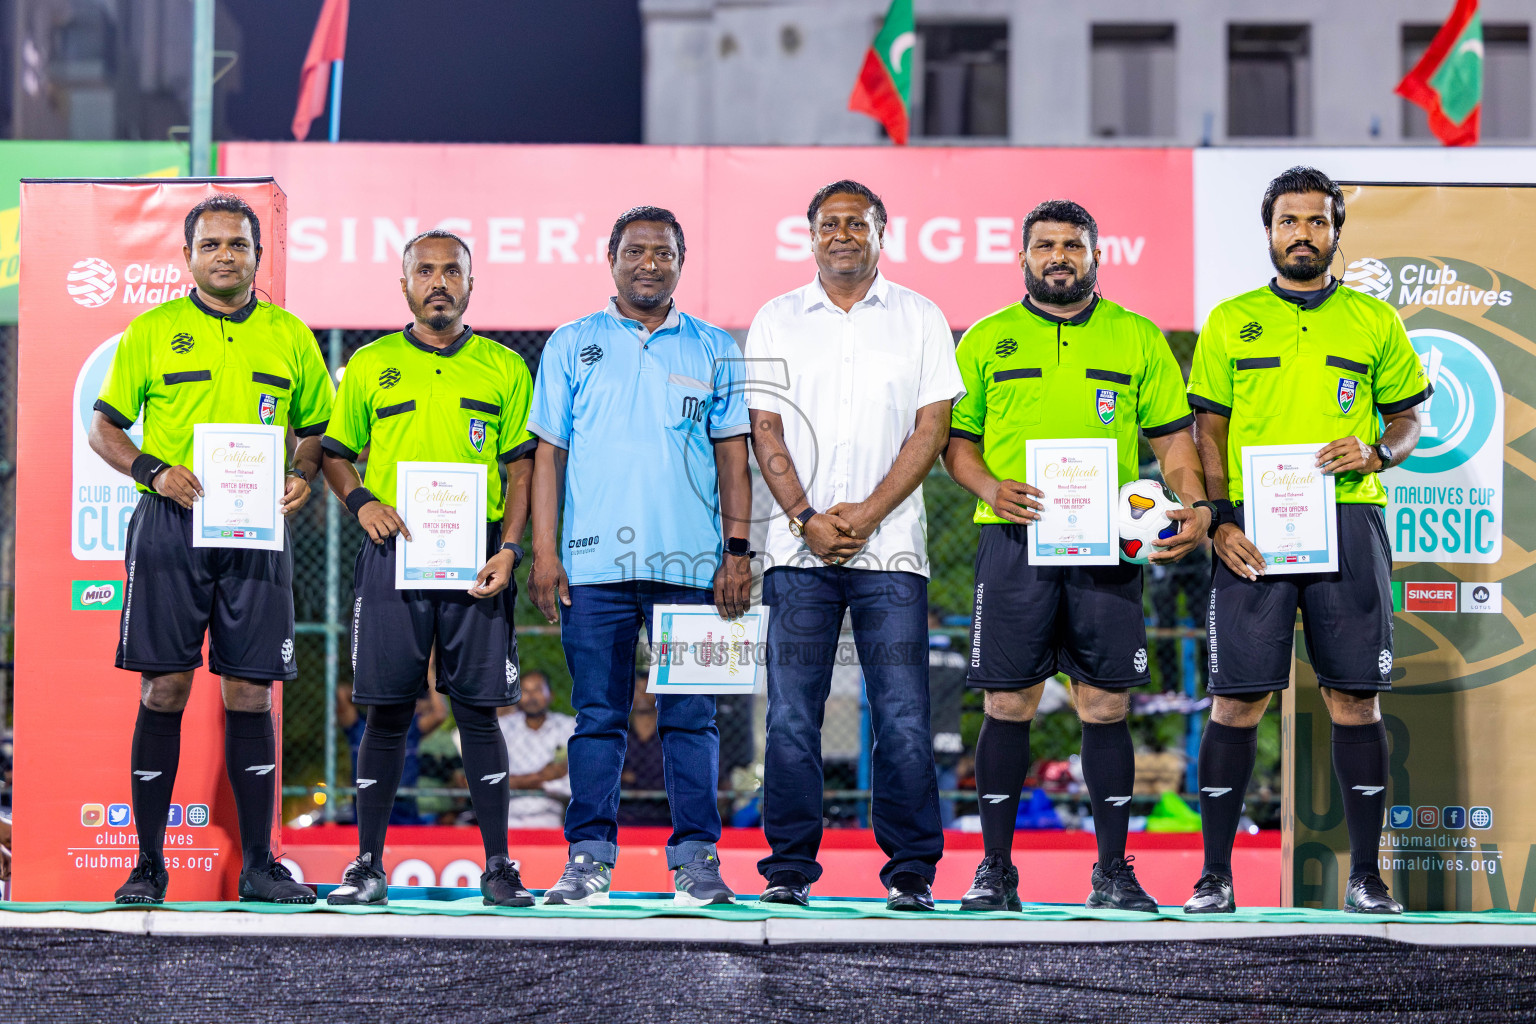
(96, 595)
(1370, 276)
(91, 282)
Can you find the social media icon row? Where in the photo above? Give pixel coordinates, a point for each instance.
(1403, 816)
(121, 815)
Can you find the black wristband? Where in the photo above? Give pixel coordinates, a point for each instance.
(1222, 511)
(145, 468)
(517, 552)
(359, 497)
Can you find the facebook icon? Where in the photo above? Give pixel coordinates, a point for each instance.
(1453, 817)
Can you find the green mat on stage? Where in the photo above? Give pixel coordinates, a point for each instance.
(636, 905)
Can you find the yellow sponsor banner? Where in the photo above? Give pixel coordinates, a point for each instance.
(1460, 826)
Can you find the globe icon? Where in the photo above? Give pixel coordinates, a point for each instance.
(92, 282)
(1370, 276)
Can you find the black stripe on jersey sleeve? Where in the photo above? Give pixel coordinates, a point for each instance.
(965, 434)
(1403, 405)
(1206, 405)
(335, 447)
(117, 418)
(522, 451)
(1170, 428)
(313, 429)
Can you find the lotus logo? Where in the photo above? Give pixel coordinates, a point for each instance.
(389, 378)
(1372, 277)
(591, 354)
(1251, 331)
(1007, 347)
(182, 343)
(92, 282)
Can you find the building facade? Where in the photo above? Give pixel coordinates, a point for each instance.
(1094, 72)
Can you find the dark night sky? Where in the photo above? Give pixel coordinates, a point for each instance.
(450, 70)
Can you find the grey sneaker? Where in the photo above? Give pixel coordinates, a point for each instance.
(584, 882)
(698, 883)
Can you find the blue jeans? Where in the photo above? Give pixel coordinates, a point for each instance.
(598, 632)
(890, 632)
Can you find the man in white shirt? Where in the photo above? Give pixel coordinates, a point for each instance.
(536, 741)
(853, 379)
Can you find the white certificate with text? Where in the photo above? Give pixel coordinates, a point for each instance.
(241, 468)
(1080, 479)
(443, 505)
(1288, 508)
(694, 650)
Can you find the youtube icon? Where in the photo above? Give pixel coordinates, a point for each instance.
(1429, 597)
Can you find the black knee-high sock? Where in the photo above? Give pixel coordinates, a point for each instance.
(1360, 762)
(485, 766)
(380, 760)
(250, 758)
(1109, 768)
(1002, 765)
(1227, 754)
(155, 755)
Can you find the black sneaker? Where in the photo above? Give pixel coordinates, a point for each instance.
(1213, 895)
(787, 887)
(272, 883)
(502, 886)
(909, 891)
(362, 884)
(146, 883)
(1115, 888)
(996, 886)
(1366, 894)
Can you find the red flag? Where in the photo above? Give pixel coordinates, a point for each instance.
(1448, 80)
(329, 44)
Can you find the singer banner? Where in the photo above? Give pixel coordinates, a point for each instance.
(1460, 831)
(95, 254)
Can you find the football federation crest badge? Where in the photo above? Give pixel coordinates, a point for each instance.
(1106, 405)
(477, 434)
(266, 409)
(1347, 393)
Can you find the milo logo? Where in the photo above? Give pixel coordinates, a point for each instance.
(103, 595)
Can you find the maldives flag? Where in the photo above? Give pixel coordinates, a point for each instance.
(885, 81)
(329, 44)
(1448, 80)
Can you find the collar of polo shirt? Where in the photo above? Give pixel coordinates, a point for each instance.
(879, 291)
(1306, 300)
(672, 321)
(239, 316)
(1077, 319)
(453, 349)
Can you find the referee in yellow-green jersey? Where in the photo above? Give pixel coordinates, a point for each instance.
(217, 355)
(1302, 361)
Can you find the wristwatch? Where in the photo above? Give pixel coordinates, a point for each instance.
(517, 552)
(740, 546)
(797, 523)
(1383, 453)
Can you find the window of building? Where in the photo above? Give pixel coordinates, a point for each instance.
(1131, 82)
(960, 85)
(1269, 81)
(1506, 81)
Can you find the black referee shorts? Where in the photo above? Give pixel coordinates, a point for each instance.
(1032, 621)
(1346, 616)
(242, 600)
(394, 632)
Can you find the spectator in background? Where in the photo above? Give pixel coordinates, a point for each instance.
(536, 756)
(946, 688)
(5, 855)
(431, 712)
(642, 763)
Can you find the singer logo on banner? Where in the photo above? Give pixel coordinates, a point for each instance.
(96, 254)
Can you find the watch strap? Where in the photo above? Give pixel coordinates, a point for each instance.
(517, 552)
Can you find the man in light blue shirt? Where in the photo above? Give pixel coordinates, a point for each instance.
(640, 408)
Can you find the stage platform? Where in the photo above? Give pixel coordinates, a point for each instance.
(442, 955)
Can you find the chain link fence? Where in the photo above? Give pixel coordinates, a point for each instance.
(321, 727)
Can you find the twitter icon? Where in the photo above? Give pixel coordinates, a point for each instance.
(1401, 817)
(119, 815)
